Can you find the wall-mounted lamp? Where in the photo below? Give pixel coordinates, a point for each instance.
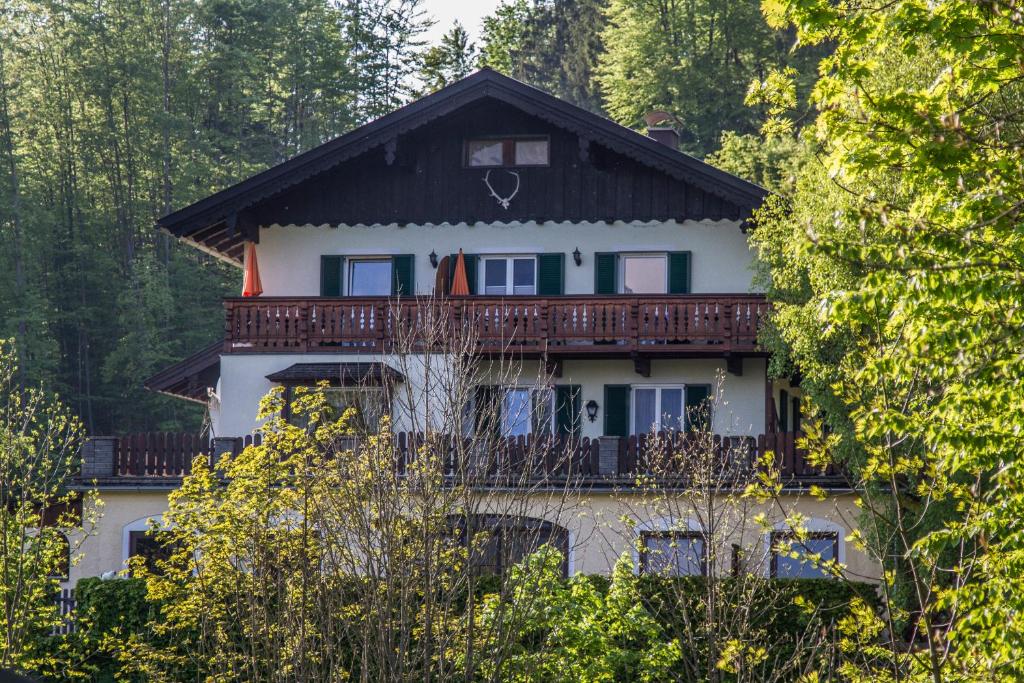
(577, 257)
(591, 409)
(433, 258)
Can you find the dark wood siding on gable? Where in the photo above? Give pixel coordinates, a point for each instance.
(428, 182)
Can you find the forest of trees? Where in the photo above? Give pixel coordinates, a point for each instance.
(114, 112)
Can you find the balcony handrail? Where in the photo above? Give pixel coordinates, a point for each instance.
(163, 456)
(564, 323)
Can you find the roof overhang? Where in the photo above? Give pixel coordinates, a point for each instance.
(221, 223)
(192, 378)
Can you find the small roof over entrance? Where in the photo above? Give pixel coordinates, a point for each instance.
(338, 374)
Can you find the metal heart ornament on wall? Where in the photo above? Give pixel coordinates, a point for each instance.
(502, 201)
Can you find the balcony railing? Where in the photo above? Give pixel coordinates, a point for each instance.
(562, 325)
(166, 457)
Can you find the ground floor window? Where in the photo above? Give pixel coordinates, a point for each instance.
(812, 551)
(496, 543)
(672, 553)
(146, 544)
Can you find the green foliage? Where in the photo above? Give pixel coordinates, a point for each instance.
(551, 44)
(39, 441)
(694, 59)
(115, 112)
(448, 61)
(773, 163)
(897, 271)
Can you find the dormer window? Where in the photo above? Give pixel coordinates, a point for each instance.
(506, 152)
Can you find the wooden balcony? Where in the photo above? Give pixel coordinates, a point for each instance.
(681, 325)
(163, 458)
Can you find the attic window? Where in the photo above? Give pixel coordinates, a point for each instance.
(504, 152)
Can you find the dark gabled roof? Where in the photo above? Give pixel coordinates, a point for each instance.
(191, 378)
(215, 223)
(343, 374)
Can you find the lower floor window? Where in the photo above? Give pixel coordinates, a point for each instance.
(497, 543)
(146, 545)
(812, 553)
(672, 553)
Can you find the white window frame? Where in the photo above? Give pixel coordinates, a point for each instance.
(350, 263)
(658, 413)
(644, 254)
(509, 273)
(532, 390)
(140, 524)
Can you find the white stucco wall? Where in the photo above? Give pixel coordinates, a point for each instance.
(595, 521)
(289, 256)
(740, 410)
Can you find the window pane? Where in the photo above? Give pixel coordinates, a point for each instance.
(485, 153)
(542, 399)
(673, 554)
(515, 413)
(370, 278)
(531, 152)
(805, 566)
(495, 276)
(523, 276)
(644, 410)
(671, 408)
(368, 403)
(644, 274)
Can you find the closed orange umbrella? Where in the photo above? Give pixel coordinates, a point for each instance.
(251, 285)
(460, 285)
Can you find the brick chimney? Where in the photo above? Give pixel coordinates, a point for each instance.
(660, 128)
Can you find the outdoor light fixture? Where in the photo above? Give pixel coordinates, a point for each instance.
(577, 258)
(592, 409)
(433, 258)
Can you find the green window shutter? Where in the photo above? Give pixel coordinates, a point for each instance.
(616, 410)
(698, 408)
(403, 270)
(679, 272)
(550, 274)
(331, 275)
(471, 260)
(567, 409)
(783, 411)
(606, 268)
(796, 413)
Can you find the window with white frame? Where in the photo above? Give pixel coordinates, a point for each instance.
(513, 151)
(643, 273)
(658, 408)
(508, 275)
(369, 277)
(526, 411)
(803, 557)
(672, 553)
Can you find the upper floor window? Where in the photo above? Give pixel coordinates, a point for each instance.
(369, 277)
(812, 553)
(507, 275)
(672, 553)
(644, 273)
(498, 152)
